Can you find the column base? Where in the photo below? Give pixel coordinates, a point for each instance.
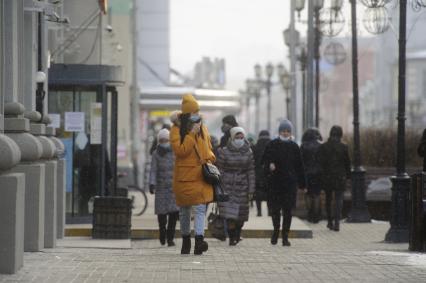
(359, 212)
(12, 202)
(50, 205)
(399, 231)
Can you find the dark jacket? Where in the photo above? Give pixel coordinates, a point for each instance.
(224, 139)
(258, 151)
(289, 173)
(421, 150)
(310, 150)
(333, 157)
(237, 169)
(161, 175)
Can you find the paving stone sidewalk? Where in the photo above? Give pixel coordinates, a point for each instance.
(355, 254)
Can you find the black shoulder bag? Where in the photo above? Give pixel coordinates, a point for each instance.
(211, 175)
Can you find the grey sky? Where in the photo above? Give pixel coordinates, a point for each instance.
(243, 32)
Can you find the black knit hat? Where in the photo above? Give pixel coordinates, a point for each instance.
(230, 119)
(264, 133)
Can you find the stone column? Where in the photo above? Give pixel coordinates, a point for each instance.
(12, 201)
(60, 185)
(17, 128)
(38, 129)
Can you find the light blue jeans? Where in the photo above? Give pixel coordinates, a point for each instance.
(199, 218)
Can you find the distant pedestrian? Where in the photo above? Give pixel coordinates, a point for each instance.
(310, 146)
(191, 145)
(421, 150)
(215, 144)
(228, 122)
(160, 183)
(284, 170)
(236, 163)
(261, 188)
(335, 164)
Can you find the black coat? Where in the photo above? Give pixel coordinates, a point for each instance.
(333, 157)
(421, 150)
(289, 173)
(310, 159)
(312, 168)
(224, 139)
(259, 150)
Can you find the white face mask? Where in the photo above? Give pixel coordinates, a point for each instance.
(238, 143)
(165, 145)
(283, 138)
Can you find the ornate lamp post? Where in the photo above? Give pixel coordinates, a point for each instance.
(318, 5)
(359, 212)
(286, 83)
(269, 71)
(302, 58)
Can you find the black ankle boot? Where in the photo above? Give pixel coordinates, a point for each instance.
(200, 245)
(170, 237)
(186, 245)
(330, 225)
(286, 243)
(274, 238)
(232, 238)
(162, 236)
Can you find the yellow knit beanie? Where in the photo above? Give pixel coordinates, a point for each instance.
(189, 104)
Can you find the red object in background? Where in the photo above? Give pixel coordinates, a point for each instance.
(103, 5)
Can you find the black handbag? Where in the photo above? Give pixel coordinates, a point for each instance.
(216, 225)
(211, 175)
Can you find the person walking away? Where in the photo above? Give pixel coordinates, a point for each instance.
(335, 165)
(236, 164)
(191, 145)
(258, 151)
(310, 146)
(285, 172)
(160, 183)
(228, 122)
(421, 150)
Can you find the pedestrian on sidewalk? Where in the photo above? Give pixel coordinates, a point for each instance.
(191, 145)
(236, 164)
(310, 146)
(421, 150)
(261, 190)
(335, 164)
(228, 122)
(284, 169)
(160, 183)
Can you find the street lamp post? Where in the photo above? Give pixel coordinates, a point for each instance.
(359, 212)
(269, 73)
(398, 231)
(317, 43)
(286, 83)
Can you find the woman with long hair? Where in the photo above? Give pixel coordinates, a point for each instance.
(191, 145)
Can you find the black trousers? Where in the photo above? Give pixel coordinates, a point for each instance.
(168, 220)
(276, 211)
(335, 212)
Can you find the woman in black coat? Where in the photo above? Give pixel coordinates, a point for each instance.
(421, 150)
(310, 146)
(258, 150)
(284, 170)
(335, 163)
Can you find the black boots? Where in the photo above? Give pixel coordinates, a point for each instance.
(330, 224)
(186, 245)
(286, 243)
(163, 236)
(170, 237)
(275, 234)
(232, 237)
(200, 245)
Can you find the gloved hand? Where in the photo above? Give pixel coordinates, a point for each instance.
(151, 189)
